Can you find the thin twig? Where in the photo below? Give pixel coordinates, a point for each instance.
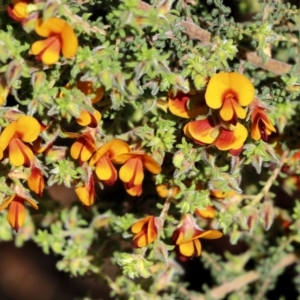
(224, 289)
(270, 181)
(197, 33)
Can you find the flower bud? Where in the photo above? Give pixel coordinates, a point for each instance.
(267, 214)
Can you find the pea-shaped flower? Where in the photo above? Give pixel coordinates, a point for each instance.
(145, 232)
(60, 37)
(229, 92)
(132, 171)
(186, 237)
(16, 210)
(16, 137)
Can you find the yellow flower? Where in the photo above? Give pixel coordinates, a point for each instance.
(145, 232)
(207, 213)
(87, 88)
(17, 211)
(60, 38)
(103, 158)
(205, 132)
(261, 126)
(229, 92)
(86, 193)
(18, 10)
(84, 146)
(166, 190)
(186, 237)
(188, 105)
(132, 171)
(16, 136)
(36, 181)
(88, 119)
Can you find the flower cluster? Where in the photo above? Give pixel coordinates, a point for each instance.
(16, 144)
(60, 36)
(218, 111)
(185, 237)
(103, 159)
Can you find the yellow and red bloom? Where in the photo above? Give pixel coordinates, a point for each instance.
(145, 232)
(186, 237)
(36, 181)
(167, 191)
(18, 10)
(84, 146)
(60, 38)
(89, 119)
(132, 171)
(207, 213)
(205, 132)
(103, 158)
(87, 88)
(229, 92)
(16, 137)
(17, 211)
(86, 192)
(188, 105)
(261, 126)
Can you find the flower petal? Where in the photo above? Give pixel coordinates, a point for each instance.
(86, 193)
(69, 41)
(51, 51)
(140, 239)
(16, 213)
(28, 129)
(211, 234)
(133, 190)
(187, 249)
(105, 170)
(231, 139)
(187, 105)
(19, 153)
(36, 181)
(223, 83)
(201, 130)
(51, 26)
(132, 172)
(6, 202)
(140, 224)
(115, 148)
(87, 88)
(83, 148)
(243, 86)
(7, 134)
(150, 164)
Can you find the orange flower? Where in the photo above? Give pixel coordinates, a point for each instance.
(261, 126)
(18, 10)
(103, 158)
(207, 213)
(84, 146)
(132, 172)
(187, 105)
(36, 181)
(145, 232)
(17, 211)
(186, 237)
(24, 130)
(205, 132)
(166, 190)
(87, 88)
(229, 91)
(60, 38)
(86, 193)
(88, 119)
